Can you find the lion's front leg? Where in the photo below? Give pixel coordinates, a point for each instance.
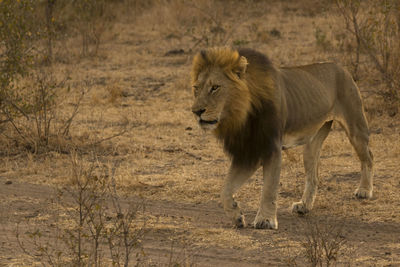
(236, 177)
(266, 215)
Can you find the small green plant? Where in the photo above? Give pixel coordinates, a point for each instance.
(16, 58)
(240, 42)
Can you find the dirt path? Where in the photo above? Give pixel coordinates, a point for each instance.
(372, 242)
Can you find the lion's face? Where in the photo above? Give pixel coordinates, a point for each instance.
(221, 95)
(211, 92)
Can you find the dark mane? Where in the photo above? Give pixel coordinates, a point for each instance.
(259, 136)
(256, 59)
(257, 139)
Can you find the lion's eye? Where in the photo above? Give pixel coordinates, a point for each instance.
(195, 90)
(214, 88)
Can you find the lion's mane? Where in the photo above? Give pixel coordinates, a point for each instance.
(250, 132)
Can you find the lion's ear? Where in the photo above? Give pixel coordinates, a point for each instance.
(203, 54)
(241, 66)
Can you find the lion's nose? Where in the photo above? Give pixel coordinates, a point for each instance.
(198, 112)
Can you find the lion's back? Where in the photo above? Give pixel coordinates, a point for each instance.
(315, 91)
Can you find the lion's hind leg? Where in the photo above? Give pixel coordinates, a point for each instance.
(311, 157)
(358, 135)
(355, 124)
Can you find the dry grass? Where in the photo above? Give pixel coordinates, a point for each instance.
(166, 159)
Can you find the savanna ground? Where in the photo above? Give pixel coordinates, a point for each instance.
(139, 79)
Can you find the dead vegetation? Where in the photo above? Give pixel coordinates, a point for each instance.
(324, 242)
(85, 230)
(97, 103)
(375, 28)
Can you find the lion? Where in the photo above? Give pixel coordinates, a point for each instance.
(257, 110)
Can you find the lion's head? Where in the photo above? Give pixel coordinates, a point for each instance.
(235, 96)
(221, 97)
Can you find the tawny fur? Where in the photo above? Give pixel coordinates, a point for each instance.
(256, 110)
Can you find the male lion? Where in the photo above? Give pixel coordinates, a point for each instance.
(257, 110)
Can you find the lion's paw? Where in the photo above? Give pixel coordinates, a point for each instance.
(239, 222)
(363, 193)
(300, 208)
(265, 223)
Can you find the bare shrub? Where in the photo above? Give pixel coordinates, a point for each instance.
(96, 223)
(375, 27)
(30, 94)
(34, 113)
(206, 22)
(125, 234)
(215, 32)
(87, 230)
(62, 20)
(290, 254)
(91, 18)
(324, 242)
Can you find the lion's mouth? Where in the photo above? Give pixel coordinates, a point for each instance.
(208, 122)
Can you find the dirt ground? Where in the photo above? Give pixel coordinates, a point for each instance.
(178, 170)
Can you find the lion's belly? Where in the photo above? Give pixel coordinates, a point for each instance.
(290, 141)
(303, 136)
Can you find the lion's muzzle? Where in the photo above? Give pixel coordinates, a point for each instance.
(198, 112)
(206, 124)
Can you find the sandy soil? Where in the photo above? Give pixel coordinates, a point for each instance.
(178, 170)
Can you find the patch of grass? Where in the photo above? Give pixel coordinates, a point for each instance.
(240, 42)
(321, 39)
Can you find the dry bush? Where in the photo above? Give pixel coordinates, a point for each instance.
(375, 29)
(205, 22)
(91, 18)
(62, 20)
(16, 58)
(29, 93)
(324, 243)
(37, 124)
(90, 225)
(33, 112)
